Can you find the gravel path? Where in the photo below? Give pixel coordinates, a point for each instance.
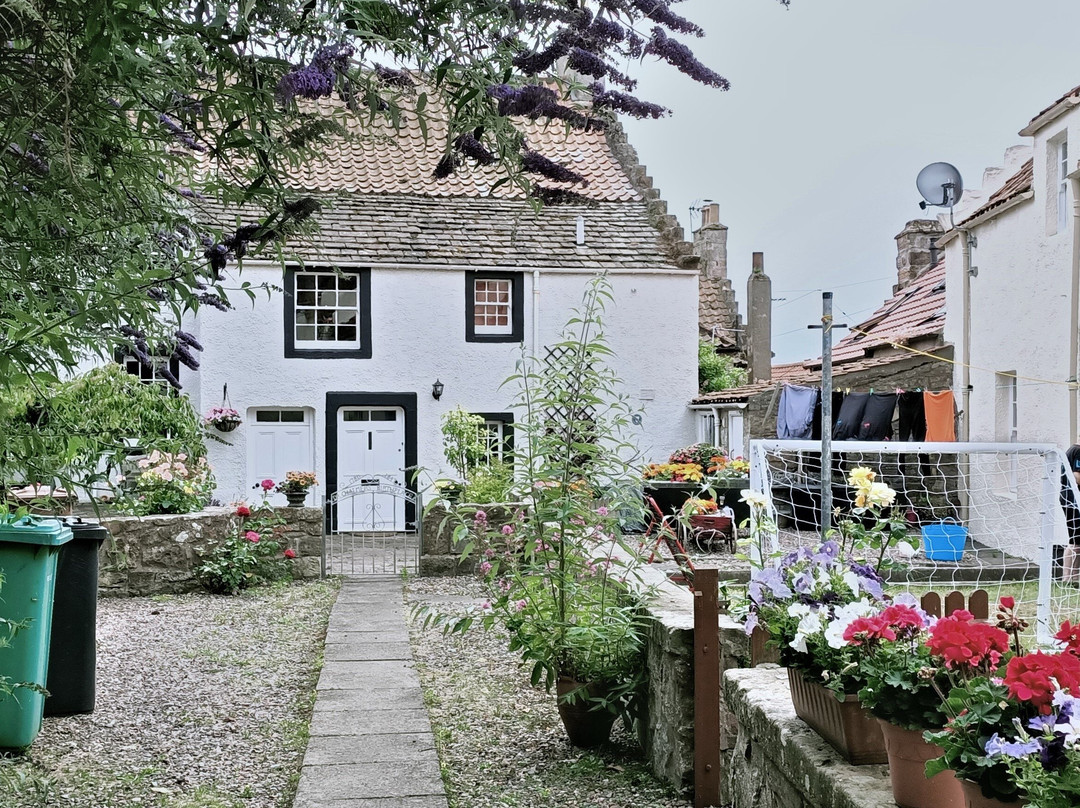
(202, 702)
(500, 741)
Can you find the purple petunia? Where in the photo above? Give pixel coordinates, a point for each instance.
(1018, 749)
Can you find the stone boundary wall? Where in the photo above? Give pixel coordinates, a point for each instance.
(157, 555)
(438, 556)
(779, 762)
(667, 728)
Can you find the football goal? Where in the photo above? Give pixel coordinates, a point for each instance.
(979, 515)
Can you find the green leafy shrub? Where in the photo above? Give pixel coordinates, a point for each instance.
(252, 555)
(490, 482)
(463, 441)
(716, 372)
(62, 432)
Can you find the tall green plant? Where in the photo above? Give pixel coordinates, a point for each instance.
(558, 573)
(463, 440)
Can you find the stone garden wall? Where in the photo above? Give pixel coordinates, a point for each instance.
(154, 555)
(777, 761)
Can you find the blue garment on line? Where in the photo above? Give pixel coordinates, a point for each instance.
(795, 416)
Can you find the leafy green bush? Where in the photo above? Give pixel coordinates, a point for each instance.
(490, 482)
(716, 372)
(62, 432)
(251, 556)
(463, 441)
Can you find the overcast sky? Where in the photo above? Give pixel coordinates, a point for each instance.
(835, 105)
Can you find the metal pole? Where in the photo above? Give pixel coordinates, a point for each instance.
(826, 411)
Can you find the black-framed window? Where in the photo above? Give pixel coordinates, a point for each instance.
(494, 306)
(327, 312)
(152, 374)
(498, 434)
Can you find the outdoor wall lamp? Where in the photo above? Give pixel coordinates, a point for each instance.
(436, 390)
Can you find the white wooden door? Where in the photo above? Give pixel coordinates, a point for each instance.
(370, 444)
(280, 441)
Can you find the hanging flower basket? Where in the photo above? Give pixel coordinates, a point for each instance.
(223, 419)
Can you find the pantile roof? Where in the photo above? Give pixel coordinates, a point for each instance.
(1073, 93)
(382, 204)
(1019, 183)
(916, 312)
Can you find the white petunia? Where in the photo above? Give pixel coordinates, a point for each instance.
(844, 617)
(851, 580)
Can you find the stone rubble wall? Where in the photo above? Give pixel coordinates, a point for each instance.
(777, 761)
(156, 555)
(439, 556)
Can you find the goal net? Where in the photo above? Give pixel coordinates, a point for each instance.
(988, 516)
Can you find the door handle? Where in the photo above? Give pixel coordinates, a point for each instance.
(369, 441)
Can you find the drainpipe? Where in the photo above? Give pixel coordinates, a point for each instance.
(536, 313)
(1074, 305)
(967, 240)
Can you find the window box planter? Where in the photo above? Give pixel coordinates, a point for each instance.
(847, 727)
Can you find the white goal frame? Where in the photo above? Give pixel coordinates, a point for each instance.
(983, 506)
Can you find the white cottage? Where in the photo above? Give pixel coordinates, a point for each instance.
(418, 295)
(1013, 291)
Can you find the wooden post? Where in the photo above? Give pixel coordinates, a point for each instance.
(706, 689)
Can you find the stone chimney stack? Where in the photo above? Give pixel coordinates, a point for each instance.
(916, 250)
(759, 322)
(710, 242)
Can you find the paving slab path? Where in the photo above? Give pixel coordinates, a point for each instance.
(370, 744)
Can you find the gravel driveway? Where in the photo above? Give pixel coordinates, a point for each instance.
(202, 702)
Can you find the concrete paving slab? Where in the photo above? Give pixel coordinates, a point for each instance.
(378, 802)
(368, 780)
(359, 675)
(359, 651)
(337, 750)
(407, 720)
(381, 698)
(391, 635)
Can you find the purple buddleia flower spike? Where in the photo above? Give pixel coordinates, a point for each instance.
(536, 163)
(621, 102)
(188, 339)
(468, 145)
(210, 299)
(179, 133)
(658, 11)
(679, 56)
(316, 79)
(397, 78)
(182, 353)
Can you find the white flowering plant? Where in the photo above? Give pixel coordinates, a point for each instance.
(807, 599)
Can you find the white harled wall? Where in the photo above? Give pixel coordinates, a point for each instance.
(1020, 302)
(418, 335)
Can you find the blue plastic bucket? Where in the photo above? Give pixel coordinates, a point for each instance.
(944, 541)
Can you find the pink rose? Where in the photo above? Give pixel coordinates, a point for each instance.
(243, 510)
(289, 552)
(266, 485)
(252, 537)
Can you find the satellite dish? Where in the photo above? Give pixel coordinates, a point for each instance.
(940, 185)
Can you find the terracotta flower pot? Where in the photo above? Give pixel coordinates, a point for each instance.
(845, 725)
(908, 753)
(973, 798)
(585, 727)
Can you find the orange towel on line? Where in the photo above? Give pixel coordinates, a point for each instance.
(940, 416)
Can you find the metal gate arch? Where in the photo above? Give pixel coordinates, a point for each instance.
(358, 539)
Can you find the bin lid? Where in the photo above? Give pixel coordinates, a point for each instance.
(34, 530)
(86, 531)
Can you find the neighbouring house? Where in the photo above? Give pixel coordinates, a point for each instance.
(419, 295)
(901, 345)
(1013, 271)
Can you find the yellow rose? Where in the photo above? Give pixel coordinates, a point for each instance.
(861, 477)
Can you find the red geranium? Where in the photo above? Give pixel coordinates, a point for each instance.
(1070, 635)
(1032, 677)
(867, 629)
(903, 619)
(961, 642)
(243, 510)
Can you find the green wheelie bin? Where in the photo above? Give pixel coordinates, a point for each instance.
(28, 554)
